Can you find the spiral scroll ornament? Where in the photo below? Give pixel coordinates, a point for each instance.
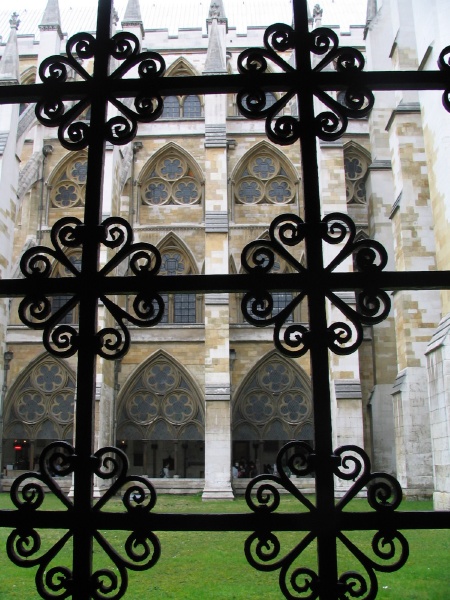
(146, 309)
(444, 65)
(37, 311)
(257, 305)
(285, 129)
(74, 133)
(141, 549)
(372, 304)
(263, 550)
(287, 231)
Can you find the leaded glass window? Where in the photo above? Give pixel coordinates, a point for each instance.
(179, 308)
(192, 107)
(171, 108)
(188, 107)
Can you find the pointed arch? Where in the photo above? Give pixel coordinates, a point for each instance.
(264, 175)
(185, 107)
(40, 406)
(28, 76)
(173, 243)
(273, 402)
(160, 390)
(171, 177)
(181, 68)
(356, 164)
(67, 182)
(177, 259)
(27, 121)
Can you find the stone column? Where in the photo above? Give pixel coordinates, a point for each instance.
(345, 377)
(432, 28)
(217, 350)
(417, 313)
(380, 196)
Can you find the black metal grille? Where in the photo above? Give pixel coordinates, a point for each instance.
(322, 523)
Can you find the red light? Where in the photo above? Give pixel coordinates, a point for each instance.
(17, 447)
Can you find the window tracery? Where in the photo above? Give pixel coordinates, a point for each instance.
(356, 167)
(264, 180)
(42, 400)
(69, 186)
(179, 308)
(181, 107)
(274, 397)
(171, 180)
(161, 402)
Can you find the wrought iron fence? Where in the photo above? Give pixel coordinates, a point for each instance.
(323, 523)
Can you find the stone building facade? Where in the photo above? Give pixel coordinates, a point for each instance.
(204, 389)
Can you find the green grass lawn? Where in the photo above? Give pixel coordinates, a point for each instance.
(212, 566)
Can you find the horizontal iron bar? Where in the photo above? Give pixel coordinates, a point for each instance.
(305, 521)
(204, 284)
(223, 84)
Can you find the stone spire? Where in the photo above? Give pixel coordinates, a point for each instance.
(9, 65)
(217, 12)
(215, 62)
(132, 18)
(51, 19)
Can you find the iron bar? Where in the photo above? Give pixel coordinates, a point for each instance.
(274, 82)
(301, 521)
(324, 520)
(391, 281)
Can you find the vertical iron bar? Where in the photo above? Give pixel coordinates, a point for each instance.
(326, 540)
(86, 372)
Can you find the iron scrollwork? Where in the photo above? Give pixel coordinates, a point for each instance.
(257, 306)
(36, 310)
(142, 548)
(120, 129)
(263, 548)
(147, 308)
(444, 65)
(293, 339)
(329, 125)
(372, 304)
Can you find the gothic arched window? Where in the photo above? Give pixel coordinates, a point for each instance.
(184, 107)
(59, 301)
(192, 108)
(41, 404)
(162, 403)
(356, 166)
(263, 179)
(68, 187)
(171, 108)
(172, 179)
(179, 308)
(273, 405)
